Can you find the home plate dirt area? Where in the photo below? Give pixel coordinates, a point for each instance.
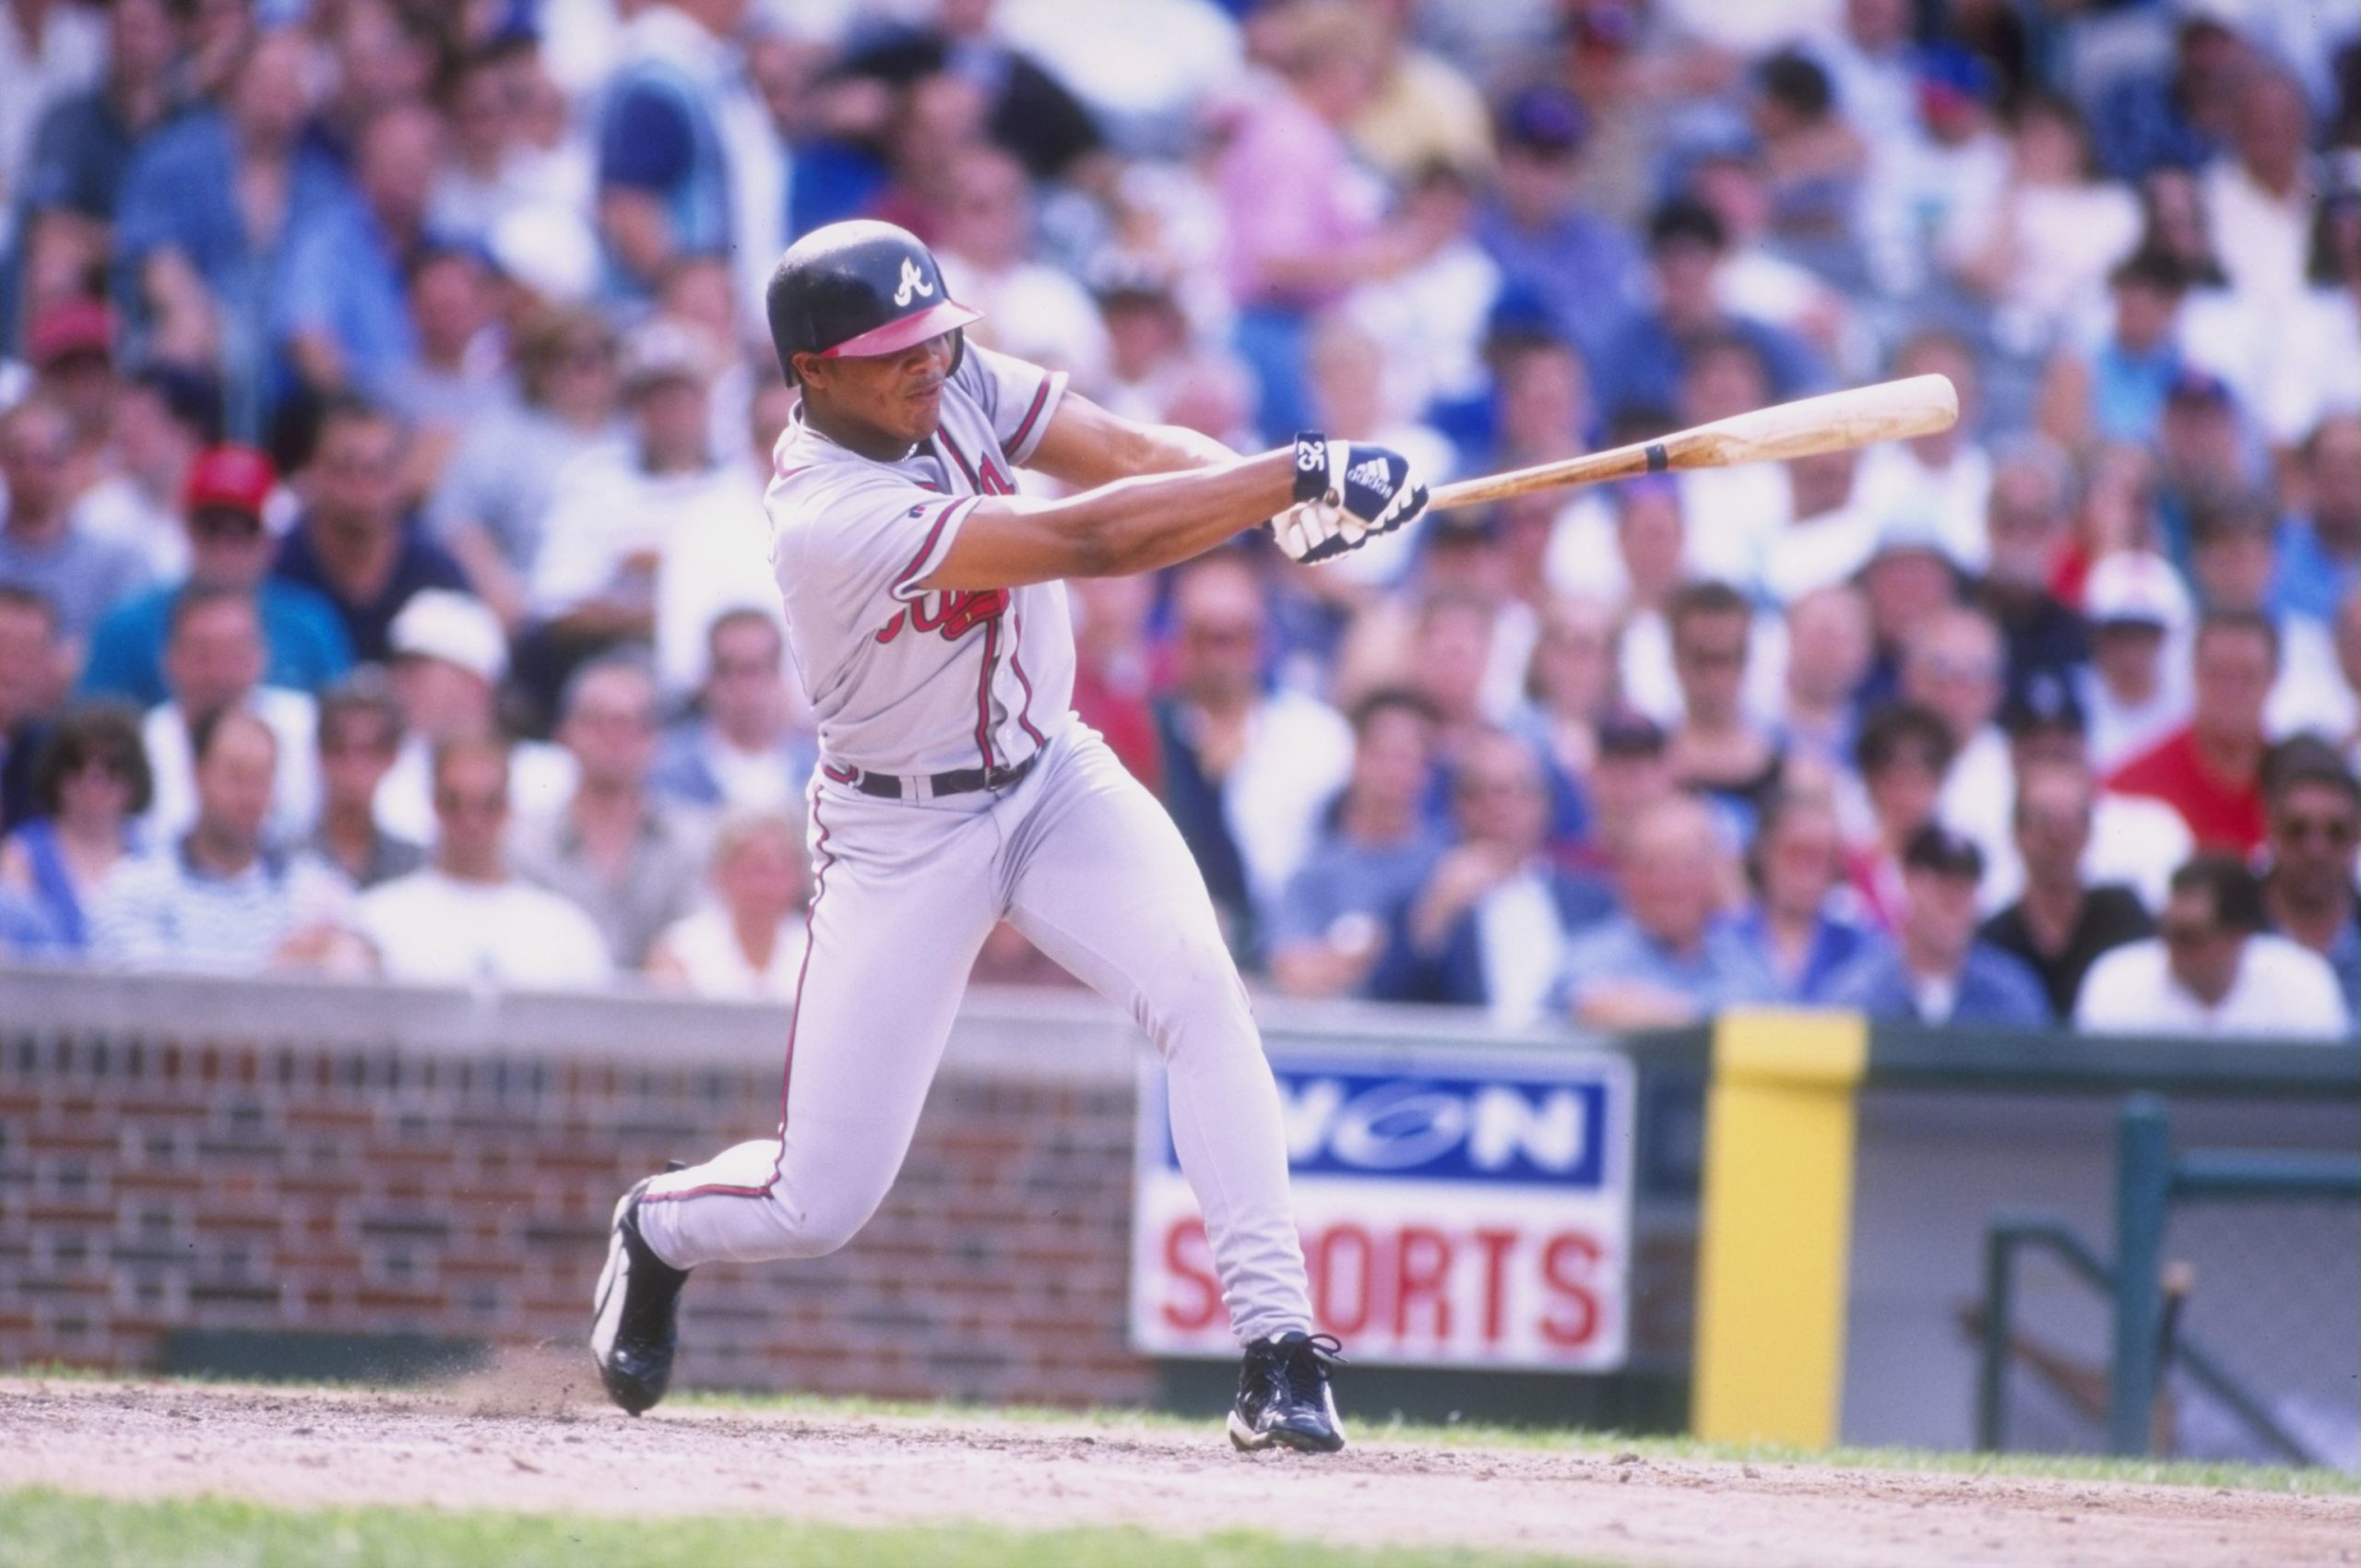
(534, 1440)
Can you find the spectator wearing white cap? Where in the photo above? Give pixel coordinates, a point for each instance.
(468, 918)
(449, 658)
(2135, 691)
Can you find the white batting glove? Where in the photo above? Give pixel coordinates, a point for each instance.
(1345, 492)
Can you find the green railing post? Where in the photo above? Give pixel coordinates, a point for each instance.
(1993, 1376)
(2144, 1183)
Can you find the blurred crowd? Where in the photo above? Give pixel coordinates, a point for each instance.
(385, 409)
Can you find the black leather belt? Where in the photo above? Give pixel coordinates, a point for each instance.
(958, 781)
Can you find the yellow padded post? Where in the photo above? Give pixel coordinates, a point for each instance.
(1776, 1226)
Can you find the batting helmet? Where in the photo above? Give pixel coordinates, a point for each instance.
(855, 289)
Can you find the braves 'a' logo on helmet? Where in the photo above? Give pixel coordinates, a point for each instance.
(912, 283)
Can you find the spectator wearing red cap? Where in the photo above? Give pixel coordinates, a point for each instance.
(228, 547)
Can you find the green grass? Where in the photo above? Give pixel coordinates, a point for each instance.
(50, 1529)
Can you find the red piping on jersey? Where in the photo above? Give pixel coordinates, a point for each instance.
(1024, 426)
(960, 458)
(795, 1021)
(925, 549)
(1016, 663)
(984, 693)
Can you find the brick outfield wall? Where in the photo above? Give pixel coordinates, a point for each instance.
(166, 1175)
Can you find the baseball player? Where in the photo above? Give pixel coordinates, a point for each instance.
(928, 624)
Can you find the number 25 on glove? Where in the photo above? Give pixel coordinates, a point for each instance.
(1345, 494)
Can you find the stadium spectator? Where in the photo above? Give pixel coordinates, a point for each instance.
(1937, 972)
(2211, 770)
(1569, 684)
(1639, 372)
(200, 234)
(2136, 696)
(1033, 310)
(1828, 657)
(161, 419)
(1026, 108)
(214, 896)
(2234, 561)
(1717, 750)
(1908, 580)
(1941, 481)
(83, 143)
(2115, 390)
(711, 562)
(360, 736)
(1955, 669)
(632, 867)
(342, 313)
(1110, 676)
(80, 574)
(1247, 769)
(1828, 536)
(1664, 957)
(213, 662)
(467, 919)
(494, 496)
(1580, 270)
(2061, 923)
(2261, 196)
(687, 165)
(448, 663)
(2320, 550)
(743, 750)
(229, 548)
(28, 685)
(2307, 893)
(2133, 840)
(355, 545)
(1902, 754)
(2212, 970)
(747, 943)
(1488, 926)
(2026, 520)
(1375, 849)
(90, 783)
(594, 580)
(1798, 922)
(70, 346)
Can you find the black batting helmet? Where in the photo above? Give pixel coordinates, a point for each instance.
(855, 289)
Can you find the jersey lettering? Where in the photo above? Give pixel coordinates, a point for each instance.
(954, 612)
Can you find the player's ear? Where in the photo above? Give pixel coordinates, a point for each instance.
(799, 369)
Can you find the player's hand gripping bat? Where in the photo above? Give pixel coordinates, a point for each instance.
(1890, 411)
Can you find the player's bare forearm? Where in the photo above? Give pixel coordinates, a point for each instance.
(1086, 447)
(1133, 524)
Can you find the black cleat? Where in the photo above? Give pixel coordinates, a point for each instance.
(637, 1325)
(1283, 1396)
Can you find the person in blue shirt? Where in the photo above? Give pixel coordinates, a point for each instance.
(222, 502)
(2320, 553)
(341, 313)
(1375, 851)
(1640, 369)
(1937, 972)
(355, 545)
(1801, 922)
(196, 268)
(663, 166)
(1576, 271)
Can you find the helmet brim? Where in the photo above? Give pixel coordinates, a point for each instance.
(910, 330)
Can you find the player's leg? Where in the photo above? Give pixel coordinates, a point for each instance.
(1100, 881)
(902, 902)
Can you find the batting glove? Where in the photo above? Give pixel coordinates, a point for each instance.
(1345, 494)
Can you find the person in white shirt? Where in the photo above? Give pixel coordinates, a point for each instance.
(747, 943)
(751, 746)
(214, 660)
(1955, 667)
(467, 918)
(449, 658)
(1945, 478)
(1035, 312)
(2136, 690)
(2212, 970)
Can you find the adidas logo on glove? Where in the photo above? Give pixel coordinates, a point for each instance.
(1372, 473)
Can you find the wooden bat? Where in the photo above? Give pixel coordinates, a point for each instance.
(1890, 411)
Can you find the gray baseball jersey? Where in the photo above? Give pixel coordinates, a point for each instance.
(905, 680)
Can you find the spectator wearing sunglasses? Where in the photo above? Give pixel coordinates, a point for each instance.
(91, 781)
(229, 549)
(2314, 814)
(2212, 970)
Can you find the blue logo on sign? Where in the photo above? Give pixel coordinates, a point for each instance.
(1526, 1132)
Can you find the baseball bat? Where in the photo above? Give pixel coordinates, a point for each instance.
(1890, 411)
